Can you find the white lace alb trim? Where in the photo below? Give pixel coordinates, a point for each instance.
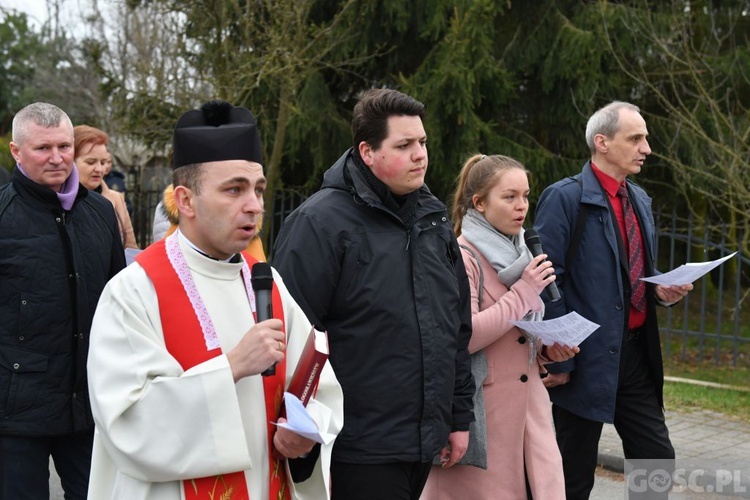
(179, 264)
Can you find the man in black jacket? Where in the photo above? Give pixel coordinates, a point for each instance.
(372, 259)
(59, 245)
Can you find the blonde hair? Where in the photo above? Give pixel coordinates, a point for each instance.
(478, 176)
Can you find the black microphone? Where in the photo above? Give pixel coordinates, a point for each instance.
(262, 279)
(534, 242)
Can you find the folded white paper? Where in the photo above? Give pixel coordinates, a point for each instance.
(299, 421)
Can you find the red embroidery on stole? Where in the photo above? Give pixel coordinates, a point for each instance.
(184, 340)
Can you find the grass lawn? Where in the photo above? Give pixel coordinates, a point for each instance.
(686, 397)
(722, 360)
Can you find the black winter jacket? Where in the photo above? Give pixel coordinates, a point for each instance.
(53, 267)
(395, 301)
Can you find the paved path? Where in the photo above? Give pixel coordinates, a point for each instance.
(704, 441)
(611, 486)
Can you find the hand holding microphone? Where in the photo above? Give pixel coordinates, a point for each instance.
(260, 347)
(534, 243)
(263, 344)
(262, 281)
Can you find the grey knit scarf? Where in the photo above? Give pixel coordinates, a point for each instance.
(509, 256)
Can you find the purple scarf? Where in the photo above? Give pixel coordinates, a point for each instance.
(67, 195)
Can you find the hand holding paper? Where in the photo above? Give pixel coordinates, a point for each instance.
(301, 422)
(560, 352)
(299, 407)
(570, 330)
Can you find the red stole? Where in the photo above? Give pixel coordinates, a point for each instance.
(184, 340)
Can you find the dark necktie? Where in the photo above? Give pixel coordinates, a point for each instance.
(635, 252)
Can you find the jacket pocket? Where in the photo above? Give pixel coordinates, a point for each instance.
(17, 387)
(352, 265)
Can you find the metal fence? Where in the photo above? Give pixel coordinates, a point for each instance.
(710, 324)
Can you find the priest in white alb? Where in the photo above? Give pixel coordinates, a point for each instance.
(181, 408)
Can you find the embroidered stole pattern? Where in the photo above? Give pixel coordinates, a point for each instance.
(191, 339)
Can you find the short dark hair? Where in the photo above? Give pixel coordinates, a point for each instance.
(371, 113)
(189, 176)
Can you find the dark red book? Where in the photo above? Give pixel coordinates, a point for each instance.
(304, 382)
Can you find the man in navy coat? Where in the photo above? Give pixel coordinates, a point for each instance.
(618, 375)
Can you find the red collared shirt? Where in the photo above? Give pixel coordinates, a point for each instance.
(636, 318)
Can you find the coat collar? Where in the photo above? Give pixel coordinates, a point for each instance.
(344, 175)
(47, 196)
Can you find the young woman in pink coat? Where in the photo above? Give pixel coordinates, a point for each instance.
(523, 461)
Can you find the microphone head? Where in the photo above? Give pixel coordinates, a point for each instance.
(261, 276)
(531, 238)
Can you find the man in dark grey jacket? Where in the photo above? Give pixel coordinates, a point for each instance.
(372, 259)
(59, 245)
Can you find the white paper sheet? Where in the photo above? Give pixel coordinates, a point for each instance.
(687, 273)
(570, 330)
(300, 422)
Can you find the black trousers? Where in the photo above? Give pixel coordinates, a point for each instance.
(24, 465)
(392, 481)
(639, 421)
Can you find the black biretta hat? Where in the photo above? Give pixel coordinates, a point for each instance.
(216, 132)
